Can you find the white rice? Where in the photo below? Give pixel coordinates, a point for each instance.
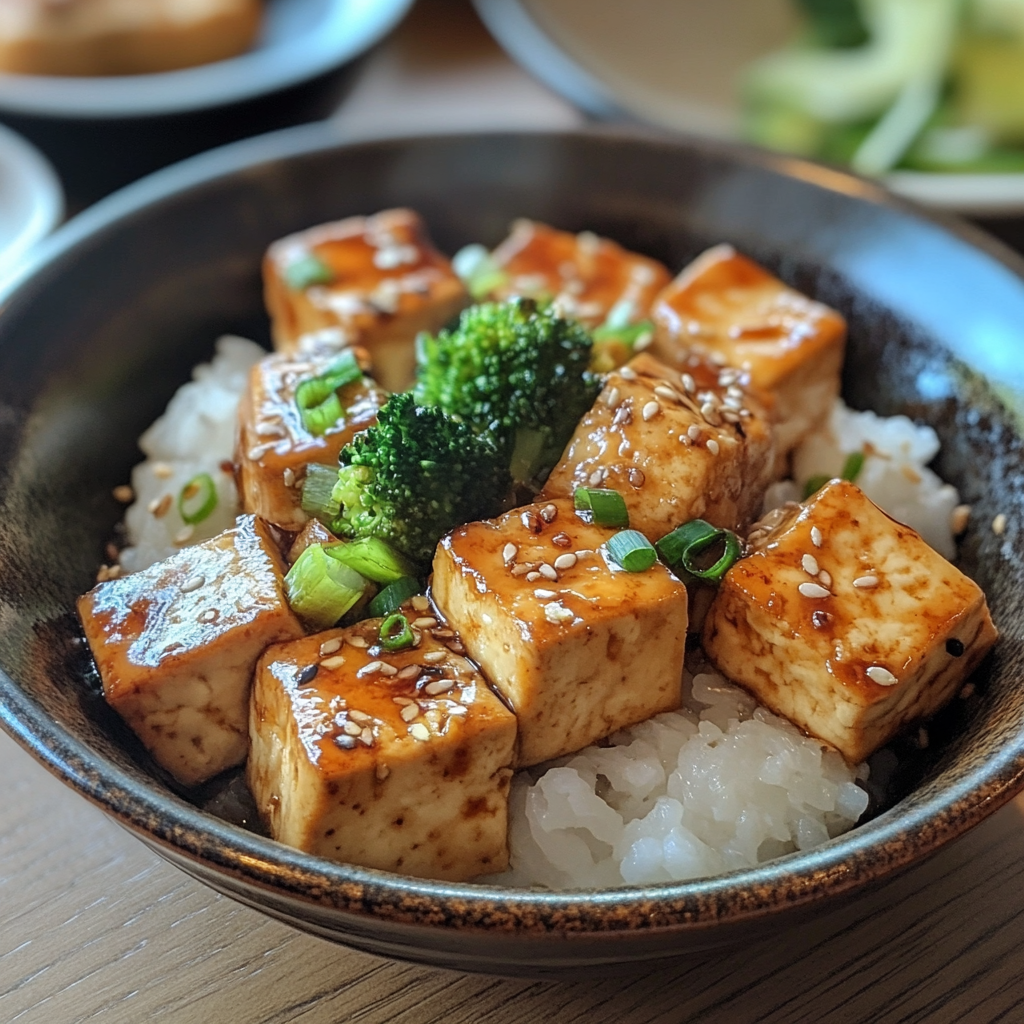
(196, 434)
(718, 785)
(895, 474)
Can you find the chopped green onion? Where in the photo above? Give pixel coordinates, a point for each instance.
(608, 507)
(632, 550)
(478, 271)
(317, 498)
(321, 589)
(852, 466)
(815, 484)
(680, 548)
(373, 558)
(394, 595)
(395, 632)
(307, 271)
(629, 334)
(317, 397)
(197, 499)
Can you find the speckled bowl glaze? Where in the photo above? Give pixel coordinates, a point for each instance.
(125, 299)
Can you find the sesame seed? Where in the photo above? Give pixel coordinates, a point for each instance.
(636, 477)
(813, 590)
(693, 432)
(583, 552)
(866, 582)
(420, 603)
(734, 402)
(999, 525)
(545, 595)
(409, 672)
(561, 540)
(344, 742)
(307, 675)
(557, 613)
(532, 522)
(123, 493)
(382, 771)
(329, 647)
(409, 712)
(370, 668)
(955, 648)
(288, 476)
(566, 561)
(387, 670)
(532, 577)
(548, 571)
(210, 615)
(595, 478)
(159, 507)
(184, 535)
(358, 641)
(727, 377)
(825, 578)
(626, 373)
(351, 729)
(816, 538)
(162, 471)
(438, 686)
(433, 657)
(967, 691)
(623, 416)
(612, 398)
(882, 676)
(664, 391)
(549, 513)
(810, 565)
(366, 736)
(650, 410)
(712, 446)
(710, 413)
(509, 552)
(360, 716)
(418, 731)
(402, 701)
(959, 519)
(522, 569)
(192, 584)
(425, 622)
(689, 383)
(332, 663)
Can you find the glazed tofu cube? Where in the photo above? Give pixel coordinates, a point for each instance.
(792, 347)
(274, 447)
(677, 446)
(374, 281)
(314, 532)
(847, 623)
(176, 645)
(392, 760)
(576, 646)
(587, 276)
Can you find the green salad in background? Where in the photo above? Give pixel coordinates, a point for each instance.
(928, 85)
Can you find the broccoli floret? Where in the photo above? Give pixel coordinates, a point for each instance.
(414, 475)
(517, 372)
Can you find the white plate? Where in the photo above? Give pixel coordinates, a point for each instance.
(676, 64)
(31, 201)
(300, 40)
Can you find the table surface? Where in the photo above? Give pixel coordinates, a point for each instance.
(94, 926)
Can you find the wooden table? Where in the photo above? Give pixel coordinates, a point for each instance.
(94, 926)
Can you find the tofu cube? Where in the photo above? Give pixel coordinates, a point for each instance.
(392, 760)
(847, 623)
(314, 532)
(587, 276)
(374, 281)
(176, 645)
(677, 446)
(727, 305)
(576, 646)
(274, 447)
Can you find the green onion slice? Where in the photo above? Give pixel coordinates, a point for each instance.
(321, 589)
(478, 271)
(197, 499)
(317, 398)
(632, 550)
(628, 334)
(394, 595)
(815, 484)
(307, 271)
(853, 465)
(607, 507)
(395, 632)
(373, 558)
(317, 497)
(681, 547)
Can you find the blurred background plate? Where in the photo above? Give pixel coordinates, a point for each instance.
(104, 132)
(676, 64)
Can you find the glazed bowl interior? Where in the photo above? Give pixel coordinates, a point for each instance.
(126, 299)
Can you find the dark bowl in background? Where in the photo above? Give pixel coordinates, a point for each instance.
(128, 297)
(102, 133)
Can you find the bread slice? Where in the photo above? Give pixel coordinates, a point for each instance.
(122, 37)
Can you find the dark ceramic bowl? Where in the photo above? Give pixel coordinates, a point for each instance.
(130, 295)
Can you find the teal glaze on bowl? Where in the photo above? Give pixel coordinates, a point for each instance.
(129, 296)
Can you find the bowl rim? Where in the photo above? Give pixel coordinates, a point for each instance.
(868, 854)
(346, 29)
